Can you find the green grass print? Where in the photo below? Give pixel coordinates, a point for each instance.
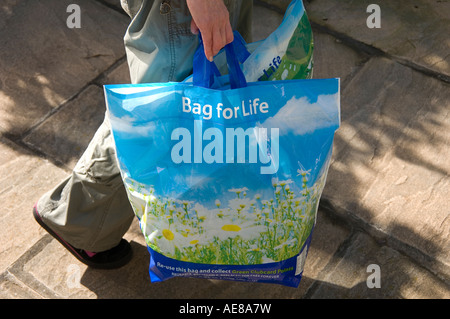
(247, 230)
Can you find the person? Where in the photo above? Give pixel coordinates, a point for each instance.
(89, 211)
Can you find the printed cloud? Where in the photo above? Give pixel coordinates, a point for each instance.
(300, 117)
(126, 124)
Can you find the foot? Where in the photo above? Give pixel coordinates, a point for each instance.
(114, 258)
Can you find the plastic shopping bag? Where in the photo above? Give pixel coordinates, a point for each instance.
(286, 54)
(225, 182)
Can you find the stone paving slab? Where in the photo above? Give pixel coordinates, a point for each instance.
(279, 5)
(400, 277)
(120, 74)
(333, 59)
(390, 166)
(113, 3)
(412, 30)
(11, 288)
(44, 63)
(23, 176)
(65, 135)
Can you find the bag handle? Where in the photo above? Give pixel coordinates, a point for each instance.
(204, 71)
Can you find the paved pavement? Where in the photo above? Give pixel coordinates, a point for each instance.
(386, 201)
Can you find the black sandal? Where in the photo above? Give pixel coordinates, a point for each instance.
(110, 259)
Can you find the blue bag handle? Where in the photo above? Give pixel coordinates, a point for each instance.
(204, 71)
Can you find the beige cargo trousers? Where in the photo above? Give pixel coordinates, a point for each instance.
(90, 208)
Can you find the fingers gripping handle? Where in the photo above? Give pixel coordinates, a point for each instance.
(205, 71)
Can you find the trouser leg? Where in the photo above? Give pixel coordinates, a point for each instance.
(90, 209)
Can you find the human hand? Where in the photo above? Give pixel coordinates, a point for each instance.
(212, 19)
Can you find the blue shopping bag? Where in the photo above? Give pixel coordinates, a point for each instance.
(225, 181)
